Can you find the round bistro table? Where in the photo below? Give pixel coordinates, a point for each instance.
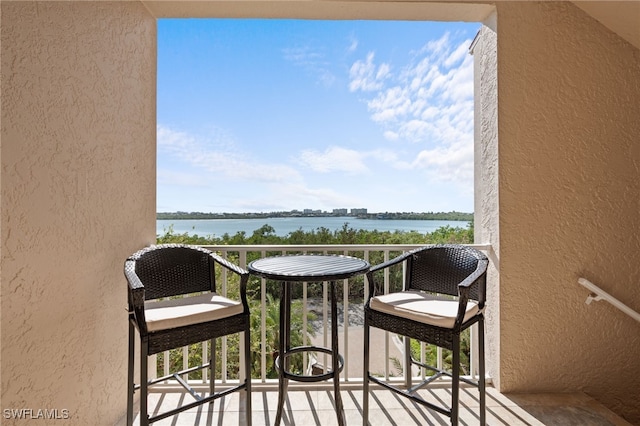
(307, 268)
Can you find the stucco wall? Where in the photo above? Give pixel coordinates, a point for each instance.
(569, 161)
(77, 197)
(486, 217)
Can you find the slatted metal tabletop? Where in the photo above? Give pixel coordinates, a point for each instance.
(309, 267)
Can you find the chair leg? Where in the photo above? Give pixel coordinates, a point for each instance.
(130, 374)
(365, 376)
(144, 385)
(334, 356)
(283, 347)
(212, 367)
(455, 380)
(407, 362)
(247, 367)
(481, 373)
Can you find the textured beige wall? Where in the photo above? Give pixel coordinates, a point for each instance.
(569, 161)
(77, 196)
(486, 220)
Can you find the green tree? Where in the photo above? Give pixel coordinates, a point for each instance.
(272, 334)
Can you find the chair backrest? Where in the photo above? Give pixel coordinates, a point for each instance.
(174, 269)
(439, 269)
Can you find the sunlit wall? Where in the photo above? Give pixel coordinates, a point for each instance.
(77, 197)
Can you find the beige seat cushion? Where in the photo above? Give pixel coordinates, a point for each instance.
(422, 307)
(172, 313)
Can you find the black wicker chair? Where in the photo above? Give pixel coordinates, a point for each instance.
(165, 271)
(424, 310)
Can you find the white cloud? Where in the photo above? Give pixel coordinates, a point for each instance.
(216, 154)
(353, 44)
(302, 56)
(423, 88)
(167, 176)
(390, 104)
(290, 195)
(457, 55)
(334, 159)
(366, 77)
(429, 103)
(383, 72)
(216, 170)
(313, 61)
(447, 164)
(391, 135)
(452, 164)
(437, 47)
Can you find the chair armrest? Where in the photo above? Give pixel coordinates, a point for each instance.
(398, 259)
(243, 273)
(136, 296)
(233, 267)
(475, 279)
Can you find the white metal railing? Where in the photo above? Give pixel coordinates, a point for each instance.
(240, 254)
(598, 294)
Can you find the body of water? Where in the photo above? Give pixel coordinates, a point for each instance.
(285, 225)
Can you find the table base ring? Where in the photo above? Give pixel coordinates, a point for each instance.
(308, 378)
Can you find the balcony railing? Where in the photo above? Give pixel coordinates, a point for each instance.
(314, 300)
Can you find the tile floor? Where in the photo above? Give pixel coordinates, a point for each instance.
(314, 406)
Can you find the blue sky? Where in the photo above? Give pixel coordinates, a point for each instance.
(277, 115)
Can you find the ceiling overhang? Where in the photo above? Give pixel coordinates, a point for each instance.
(323, 9)
(621, 17)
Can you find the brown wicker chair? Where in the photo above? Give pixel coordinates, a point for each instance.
(165, 271)
(424, 310)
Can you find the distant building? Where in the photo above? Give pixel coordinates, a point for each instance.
(340, 211)
(356, 212)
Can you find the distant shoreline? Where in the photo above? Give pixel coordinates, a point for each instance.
(451, 216)
(282, 226)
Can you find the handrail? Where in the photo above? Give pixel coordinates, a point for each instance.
(598, 294)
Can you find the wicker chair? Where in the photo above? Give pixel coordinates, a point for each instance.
(426, 311)
(165, 271)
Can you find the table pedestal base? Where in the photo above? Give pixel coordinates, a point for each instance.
(281, 362)
(307, 268)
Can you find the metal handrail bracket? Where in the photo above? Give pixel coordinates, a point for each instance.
(598, 294)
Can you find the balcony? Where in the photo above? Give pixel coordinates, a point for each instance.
(312, 404)
(79, 181)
